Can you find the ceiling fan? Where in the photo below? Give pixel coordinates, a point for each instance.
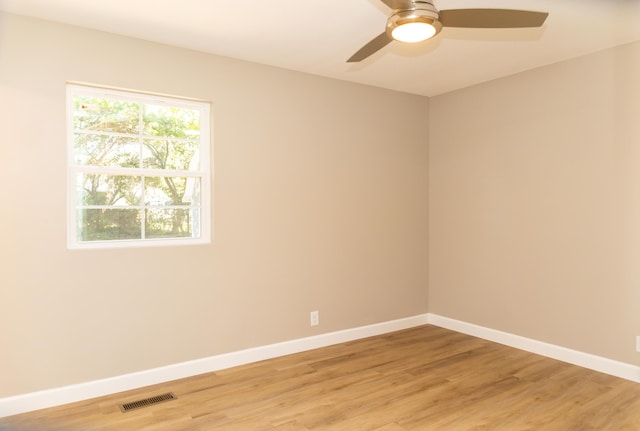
(418, 20)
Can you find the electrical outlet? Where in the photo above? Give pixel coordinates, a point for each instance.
(314, 318)
(638, 343)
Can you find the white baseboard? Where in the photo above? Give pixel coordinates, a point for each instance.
(586, 360)
(83, 391)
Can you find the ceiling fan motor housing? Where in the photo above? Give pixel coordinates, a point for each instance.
(422, 12)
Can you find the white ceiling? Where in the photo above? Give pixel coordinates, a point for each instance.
(317, 36)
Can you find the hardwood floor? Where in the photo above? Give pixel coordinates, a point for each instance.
(424, 378)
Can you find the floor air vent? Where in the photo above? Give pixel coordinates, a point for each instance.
(147, 402)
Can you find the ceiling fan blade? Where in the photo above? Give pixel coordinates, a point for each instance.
(491, 18)
(373, 46)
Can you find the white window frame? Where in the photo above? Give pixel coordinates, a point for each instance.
(204, 173)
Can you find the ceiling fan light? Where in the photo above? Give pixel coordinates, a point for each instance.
(414, 25)
(413, 32)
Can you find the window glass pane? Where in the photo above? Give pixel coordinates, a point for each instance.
(169, 223)
(105, 150)
(109, 224)
(171, 122)
(109, 190)
(192, 193)
(171, 154)
(166, 191)
(105, 115)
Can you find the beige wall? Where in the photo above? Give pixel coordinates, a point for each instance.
(320, 204)
(534, 204)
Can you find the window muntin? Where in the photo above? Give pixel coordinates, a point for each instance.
(138, 169)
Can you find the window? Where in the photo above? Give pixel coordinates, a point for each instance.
(138, 169)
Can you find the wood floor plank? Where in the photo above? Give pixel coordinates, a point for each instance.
(424, 378)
